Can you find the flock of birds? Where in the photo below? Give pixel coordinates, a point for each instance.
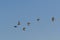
(28, 23)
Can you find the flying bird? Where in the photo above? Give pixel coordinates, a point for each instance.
(38, 19)
(15, 26)
(52, 19)
(28, 23)
(24, 28)
(18, 23)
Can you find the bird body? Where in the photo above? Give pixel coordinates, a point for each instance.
(52, 19)
(28, 23)
(15, 26)
(38, 19)
(24, 28)
(18, 23)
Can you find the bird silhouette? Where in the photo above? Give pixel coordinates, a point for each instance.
(28, 23)
(52, 19)
(15, 26)
(24, 28)
(18, 23)
(38, 19)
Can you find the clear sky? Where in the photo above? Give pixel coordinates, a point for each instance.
(28, 11)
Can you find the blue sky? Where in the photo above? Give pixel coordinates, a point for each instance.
(28, 11)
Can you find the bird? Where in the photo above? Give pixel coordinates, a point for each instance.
(24, 28)
(28, 23)
(15, 26)
(38, 19)
(52, 19)
(18, 23)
